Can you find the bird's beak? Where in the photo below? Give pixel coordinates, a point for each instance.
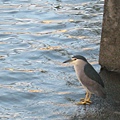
(70, 60)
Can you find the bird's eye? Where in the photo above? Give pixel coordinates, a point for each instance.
(75, 58)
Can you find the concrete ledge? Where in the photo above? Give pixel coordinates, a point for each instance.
(108, 109)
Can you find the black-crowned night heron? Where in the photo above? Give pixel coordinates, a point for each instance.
(88, 77)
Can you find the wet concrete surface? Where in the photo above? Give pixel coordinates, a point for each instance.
(108, 109)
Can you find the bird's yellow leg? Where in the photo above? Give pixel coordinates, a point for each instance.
(83, 100)
(87, 95)
(88, 98)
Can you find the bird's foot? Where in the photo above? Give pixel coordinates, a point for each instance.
(82, 99)
(88, 101)
(84, 102)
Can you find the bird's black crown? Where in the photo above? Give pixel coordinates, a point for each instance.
(80, 57)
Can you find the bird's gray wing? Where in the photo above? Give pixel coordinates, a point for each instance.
(92, 74)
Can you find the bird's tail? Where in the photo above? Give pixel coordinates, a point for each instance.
(103, 95)
(101, 92)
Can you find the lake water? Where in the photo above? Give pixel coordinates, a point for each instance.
(36, 36)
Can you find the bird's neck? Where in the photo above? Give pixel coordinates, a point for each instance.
(79, 68)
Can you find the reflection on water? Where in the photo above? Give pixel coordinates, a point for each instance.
(36, 37)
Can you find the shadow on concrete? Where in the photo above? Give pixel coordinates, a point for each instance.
(108, 109)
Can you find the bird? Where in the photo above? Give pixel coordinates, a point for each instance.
(88, 77)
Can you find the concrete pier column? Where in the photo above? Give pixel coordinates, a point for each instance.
(110, 40)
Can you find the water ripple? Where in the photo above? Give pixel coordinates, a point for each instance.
(36, 37)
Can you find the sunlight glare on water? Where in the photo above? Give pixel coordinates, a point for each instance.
(36, 37)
